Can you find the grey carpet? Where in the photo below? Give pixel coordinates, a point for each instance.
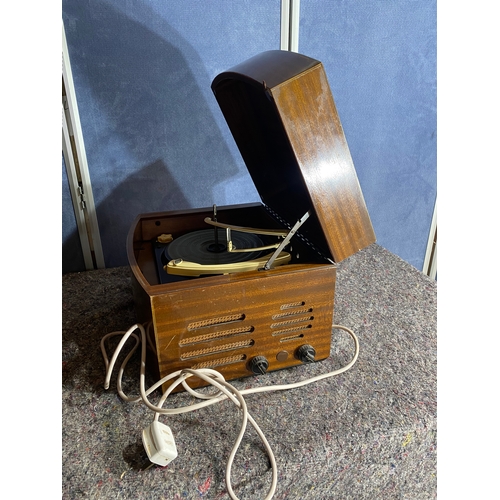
(369, 433)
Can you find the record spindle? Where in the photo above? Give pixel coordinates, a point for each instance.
(216, 246)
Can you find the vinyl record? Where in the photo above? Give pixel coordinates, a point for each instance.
(199, 247)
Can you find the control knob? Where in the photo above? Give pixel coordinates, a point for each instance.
(306, 353)
(259, 365)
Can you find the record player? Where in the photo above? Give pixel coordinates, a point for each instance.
(246, 289)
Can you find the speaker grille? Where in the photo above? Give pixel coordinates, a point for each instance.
(295, 317)
(296, 312)
(292, 329)
(207, 337)
(220, 362)
(291, 322)
(215, 321)
(293, 304)
(292, 337)
(216, 349)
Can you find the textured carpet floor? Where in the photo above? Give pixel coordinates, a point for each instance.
(369, 433)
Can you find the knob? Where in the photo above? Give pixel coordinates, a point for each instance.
(259, 365)
(306, 353)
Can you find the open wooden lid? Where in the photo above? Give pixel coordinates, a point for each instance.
(280, 110)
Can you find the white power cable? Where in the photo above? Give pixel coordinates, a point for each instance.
(211, 377)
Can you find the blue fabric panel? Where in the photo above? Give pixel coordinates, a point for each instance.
(380, 58)
(154, 135)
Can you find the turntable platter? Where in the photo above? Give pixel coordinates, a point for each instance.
(198, 246)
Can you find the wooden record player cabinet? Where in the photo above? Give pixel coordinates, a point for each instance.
(281, 113)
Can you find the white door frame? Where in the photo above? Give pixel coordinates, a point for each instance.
(290, 14)
(75, 159)
(430, 261)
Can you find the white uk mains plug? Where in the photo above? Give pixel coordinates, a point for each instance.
(159, 443)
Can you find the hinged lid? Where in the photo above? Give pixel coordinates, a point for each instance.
(281, 113)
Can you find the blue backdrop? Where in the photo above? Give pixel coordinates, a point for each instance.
(380, 58)
(156, 139)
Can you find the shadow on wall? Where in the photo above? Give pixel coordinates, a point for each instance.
(151, 138)
(153, 180)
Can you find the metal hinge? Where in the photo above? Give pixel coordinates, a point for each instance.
(81, 194)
